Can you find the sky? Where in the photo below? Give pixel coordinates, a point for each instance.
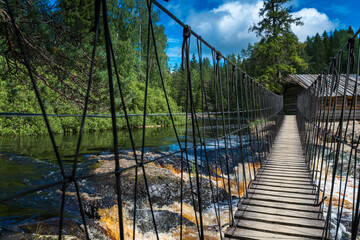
(225, 23)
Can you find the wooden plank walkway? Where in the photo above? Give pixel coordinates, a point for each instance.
(281, 201)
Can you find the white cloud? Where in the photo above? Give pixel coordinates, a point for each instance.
(174, 51)
(173, 40)
(226, 27)
(314, 22)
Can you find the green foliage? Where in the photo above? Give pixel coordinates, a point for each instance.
(255, 123)
(59, 40)
(179, 85)
(276, 20)
(320, 49)
(277, 53)
(19, 98)
(78, 15)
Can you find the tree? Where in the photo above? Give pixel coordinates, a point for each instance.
(277, 53)
(79, 15)
(58, 40)
(320, 49)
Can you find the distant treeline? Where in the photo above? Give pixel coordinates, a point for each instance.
(319, 50)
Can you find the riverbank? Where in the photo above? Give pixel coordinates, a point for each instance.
(34, 126)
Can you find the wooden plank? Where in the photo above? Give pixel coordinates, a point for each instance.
(283, 187)
(282, 157)
(279, 178)
(286, 157)
(278, 211)
(288, 164)
(285, 164)
(285, 175)
(292, 169)
(286, 169)
(301, 179)
(311, 233)
(254, 234)
(280, 183)
(283, 199)
(303, 166)
(307, 193)
(287, 172)
(286, 183)
(284, 220)
(298, 181)
(279, 205)
(281, 167)
(280, 192)
(268, 168)
(285, 153)
(289, 206)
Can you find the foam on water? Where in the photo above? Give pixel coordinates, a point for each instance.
(110, 222)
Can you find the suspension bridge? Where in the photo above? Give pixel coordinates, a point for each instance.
(265, 174)
(281, 202)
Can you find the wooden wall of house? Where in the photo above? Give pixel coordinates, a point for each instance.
(291, 92)
(348, 108)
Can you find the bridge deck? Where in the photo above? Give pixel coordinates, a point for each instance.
(280, 203)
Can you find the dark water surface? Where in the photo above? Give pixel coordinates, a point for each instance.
(29, 162)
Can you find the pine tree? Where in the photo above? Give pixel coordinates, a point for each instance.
(318, 55)
(276, 55)
(327, 47)
(276, 21)
(78, 15)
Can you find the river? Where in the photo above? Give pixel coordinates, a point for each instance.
(28, 162)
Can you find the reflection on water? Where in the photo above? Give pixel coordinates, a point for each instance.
(29, 162)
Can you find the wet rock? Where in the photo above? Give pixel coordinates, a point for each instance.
(107, 152)
(91, 202)
(28, 236)
(51, 227)
(347, 133)
(164, 185)
(165, 220)
(96, 231)
(105, 157)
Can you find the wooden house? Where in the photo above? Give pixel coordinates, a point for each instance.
(295, 85)
(298, 83)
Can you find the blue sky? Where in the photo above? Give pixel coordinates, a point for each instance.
(225, 23)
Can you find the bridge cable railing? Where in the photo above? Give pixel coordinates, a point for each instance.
(217, 157)
(328, 125)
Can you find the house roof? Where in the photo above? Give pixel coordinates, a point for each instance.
(305, 81)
